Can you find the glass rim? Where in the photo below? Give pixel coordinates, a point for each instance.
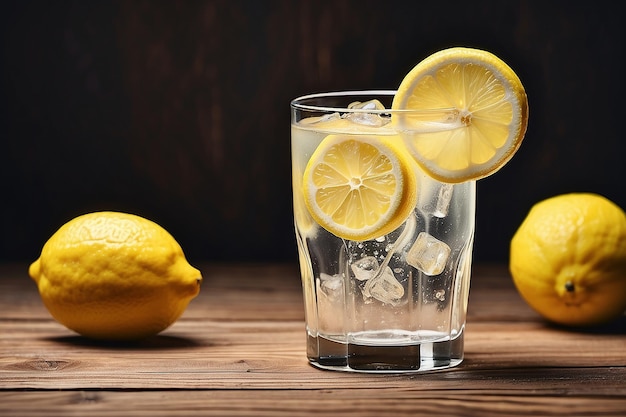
(298, 103)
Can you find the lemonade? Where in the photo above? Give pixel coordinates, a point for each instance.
(397, 301)
(384, 187)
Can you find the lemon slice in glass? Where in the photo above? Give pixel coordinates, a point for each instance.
(360, 187)
(468, 114)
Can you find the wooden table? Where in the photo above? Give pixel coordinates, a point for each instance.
(239, 349)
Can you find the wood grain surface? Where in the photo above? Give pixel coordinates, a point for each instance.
(239, 350)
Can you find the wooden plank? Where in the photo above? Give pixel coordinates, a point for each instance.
(228, 355)
(229, 292)
(269, 292)
(293, 403)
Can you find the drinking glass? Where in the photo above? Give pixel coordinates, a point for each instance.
(396, 302)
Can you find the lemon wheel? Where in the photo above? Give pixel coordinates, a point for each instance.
(469, 114)
(360, 187)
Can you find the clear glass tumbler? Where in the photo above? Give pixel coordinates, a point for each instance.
(391, 303)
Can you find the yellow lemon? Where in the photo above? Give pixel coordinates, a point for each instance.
(568, 259)
(468, 114)
(114, 276)
(360, 187)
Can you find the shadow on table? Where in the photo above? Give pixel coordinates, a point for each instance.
(158, 342)
(617, 326)
(535, 375)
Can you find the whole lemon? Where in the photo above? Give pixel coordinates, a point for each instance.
(568, 259)
(114, 276)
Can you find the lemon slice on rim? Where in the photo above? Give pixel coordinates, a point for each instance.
(483, 114)
(360, 187)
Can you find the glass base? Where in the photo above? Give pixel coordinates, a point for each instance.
(411, 358)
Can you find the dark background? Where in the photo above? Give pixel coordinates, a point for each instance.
(179, 110)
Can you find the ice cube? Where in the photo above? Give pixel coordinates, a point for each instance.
(365, 268)
(385, 288)
(332, 286)
(320, 119)
(443, 200)
(365, 118)
(367, 105)
(428, 254)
